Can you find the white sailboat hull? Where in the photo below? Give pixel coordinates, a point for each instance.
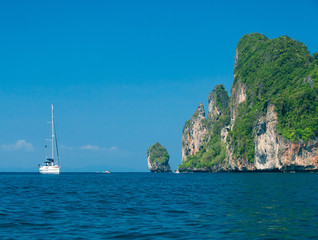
(49, 169)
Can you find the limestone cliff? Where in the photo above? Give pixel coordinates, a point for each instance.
(158, 158)
(201, 143)
(266, 141)
(238, 96)
(270, 122)
(274, 152)
(194, 132)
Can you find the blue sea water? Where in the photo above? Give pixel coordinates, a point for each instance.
(159, 206)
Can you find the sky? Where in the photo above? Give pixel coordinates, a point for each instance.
(122, 75)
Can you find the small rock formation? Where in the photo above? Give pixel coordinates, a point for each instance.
(158, 158)
(194, 132)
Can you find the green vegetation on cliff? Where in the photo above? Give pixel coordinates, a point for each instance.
(282, 72)
(158, 153)
(277, 71)
(221, 98)
(214, 150)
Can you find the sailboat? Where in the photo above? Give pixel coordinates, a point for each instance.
(49, 166)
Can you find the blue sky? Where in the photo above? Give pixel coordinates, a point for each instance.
(122, 75)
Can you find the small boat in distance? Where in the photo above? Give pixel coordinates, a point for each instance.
(49, 166)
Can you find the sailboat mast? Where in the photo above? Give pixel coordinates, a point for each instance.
(52, 134)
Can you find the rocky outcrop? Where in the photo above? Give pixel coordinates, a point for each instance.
(218, 102)
(194, 133)
(201, 137)
(273, 152)
(158, 158)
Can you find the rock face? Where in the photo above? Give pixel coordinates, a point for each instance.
(158, 158)
(270, 121)
(194, 132)
(273, 152)
(238, 95)
(198, 138)
(266, 141)
(197, 130)
(298, 156)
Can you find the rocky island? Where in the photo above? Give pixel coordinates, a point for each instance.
(270, 121)
(158, 159)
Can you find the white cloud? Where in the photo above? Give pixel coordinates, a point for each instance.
(90, 147)
(98, 148)
(112, 149)
(19, 145)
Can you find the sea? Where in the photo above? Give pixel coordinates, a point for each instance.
(159, 206)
